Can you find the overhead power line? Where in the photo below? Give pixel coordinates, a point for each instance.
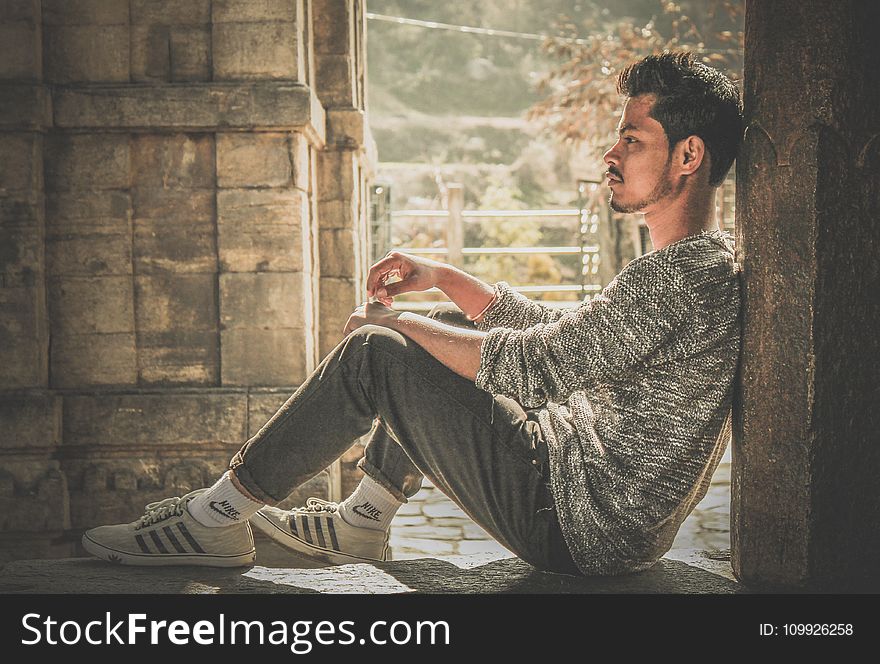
(435, 25)
(465, 28)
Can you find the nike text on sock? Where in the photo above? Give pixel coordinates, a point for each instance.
(370, 506)
(223, 504)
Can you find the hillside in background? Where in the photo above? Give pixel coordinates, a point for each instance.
(448, 106)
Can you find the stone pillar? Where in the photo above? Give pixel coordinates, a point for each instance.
(805, 503)
(33, 490)
(345, 167)
(159, 294)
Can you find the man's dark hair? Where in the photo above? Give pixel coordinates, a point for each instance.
(692, 100)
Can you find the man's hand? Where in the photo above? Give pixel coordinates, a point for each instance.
(370, 313)
(416, 273)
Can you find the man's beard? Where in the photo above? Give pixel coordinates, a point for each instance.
(661, 189)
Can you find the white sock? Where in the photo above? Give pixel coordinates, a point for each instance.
(222, 505)
(370, 506)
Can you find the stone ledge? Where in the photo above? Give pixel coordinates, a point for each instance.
(425, 575)
(267, 105)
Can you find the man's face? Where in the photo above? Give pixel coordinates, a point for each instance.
(639, 163)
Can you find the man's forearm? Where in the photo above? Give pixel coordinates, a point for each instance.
(470, 294)
(457, 348)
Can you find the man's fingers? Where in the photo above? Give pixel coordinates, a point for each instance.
(379, 271)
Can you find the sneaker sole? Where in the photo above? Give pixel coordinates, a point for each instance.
(302, 548)
(166, 559)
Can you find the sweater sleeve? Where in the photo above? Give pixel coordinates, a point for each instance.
(515, 311)
(602, 340)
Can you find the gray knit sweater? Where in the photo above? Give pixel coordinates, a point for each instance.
(633, 390)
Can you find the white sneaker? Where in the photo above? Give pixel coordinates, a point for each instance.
(318, 532)
(167, 534)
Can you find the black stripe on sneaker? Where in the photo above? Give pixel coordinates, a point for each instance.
(142, 544)
(189, 538)
(291, 521)
(306, 531)
(171, 538)
(320, 532)
(158, 542)
(332, 534)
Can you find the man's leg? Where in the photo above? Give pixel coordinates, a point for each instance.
(478, 449)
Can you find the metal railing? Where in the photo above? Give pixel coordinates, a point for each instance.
(585, 220)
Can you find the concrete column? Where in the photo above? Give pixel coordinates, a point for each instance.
(806, 458)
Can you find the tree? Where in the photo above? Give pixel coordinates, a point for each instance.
(581, 104)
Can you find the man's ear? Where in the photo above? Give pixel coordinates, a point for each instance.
(692, 152)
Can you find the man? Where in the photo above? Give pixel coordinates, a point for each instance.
(579, 439)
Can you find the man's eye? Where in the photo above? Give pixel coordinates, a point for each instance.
(629, 139)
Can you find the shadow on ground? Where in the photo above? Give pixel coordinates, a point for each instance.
(426, 575)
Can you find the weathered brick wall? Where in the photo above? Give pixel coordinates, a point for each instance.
(165, 165)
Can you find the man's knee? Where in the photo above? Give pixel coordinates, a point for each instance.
(449, 313)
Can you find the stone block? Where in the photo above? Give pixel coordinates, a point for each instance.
(254, 160)
(92, 248)
(280, 105)
(335, 80)
(263, 357)
(155, 420)
(30, 421)
(115, 489)
(333, 26)
(21, 247)
(68, 211)
(91, 305)
(85, 12)
(337, 214)
(162, 246)
(254, 50)
(267, 300)
(303, 161)
(22, 53)
(243, 11)
(22, 158)
(87, 161)
(337, 252)
(150, 53)
(175, 302)
(86, 53)
(346, 128)
(337, 175)
(21, 10)
(172, 161)
(88, 234)
(180, 357)
(173, 206)
(83, 360)
(171, 12)
(34, 498)
(260, 230)
(190, 53)
(24, 341)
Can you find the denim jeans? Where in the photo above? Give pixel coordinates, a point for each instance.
(485, 452)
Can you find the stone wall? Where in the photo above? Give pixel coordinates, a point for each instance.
(182, 187)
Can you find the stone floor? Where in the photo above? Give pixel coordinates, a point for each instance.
(432, 526)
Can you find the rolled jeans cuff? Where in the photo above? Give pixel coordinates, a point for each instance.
(246, 479)
(376, 474)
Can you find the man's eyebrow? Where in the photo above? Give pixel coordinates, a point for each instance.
(626, 127)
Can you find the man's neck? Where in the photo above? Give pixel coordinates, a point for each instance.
(689, 215)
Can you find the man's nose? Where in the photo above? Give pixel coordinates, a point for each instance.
(611, 156)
